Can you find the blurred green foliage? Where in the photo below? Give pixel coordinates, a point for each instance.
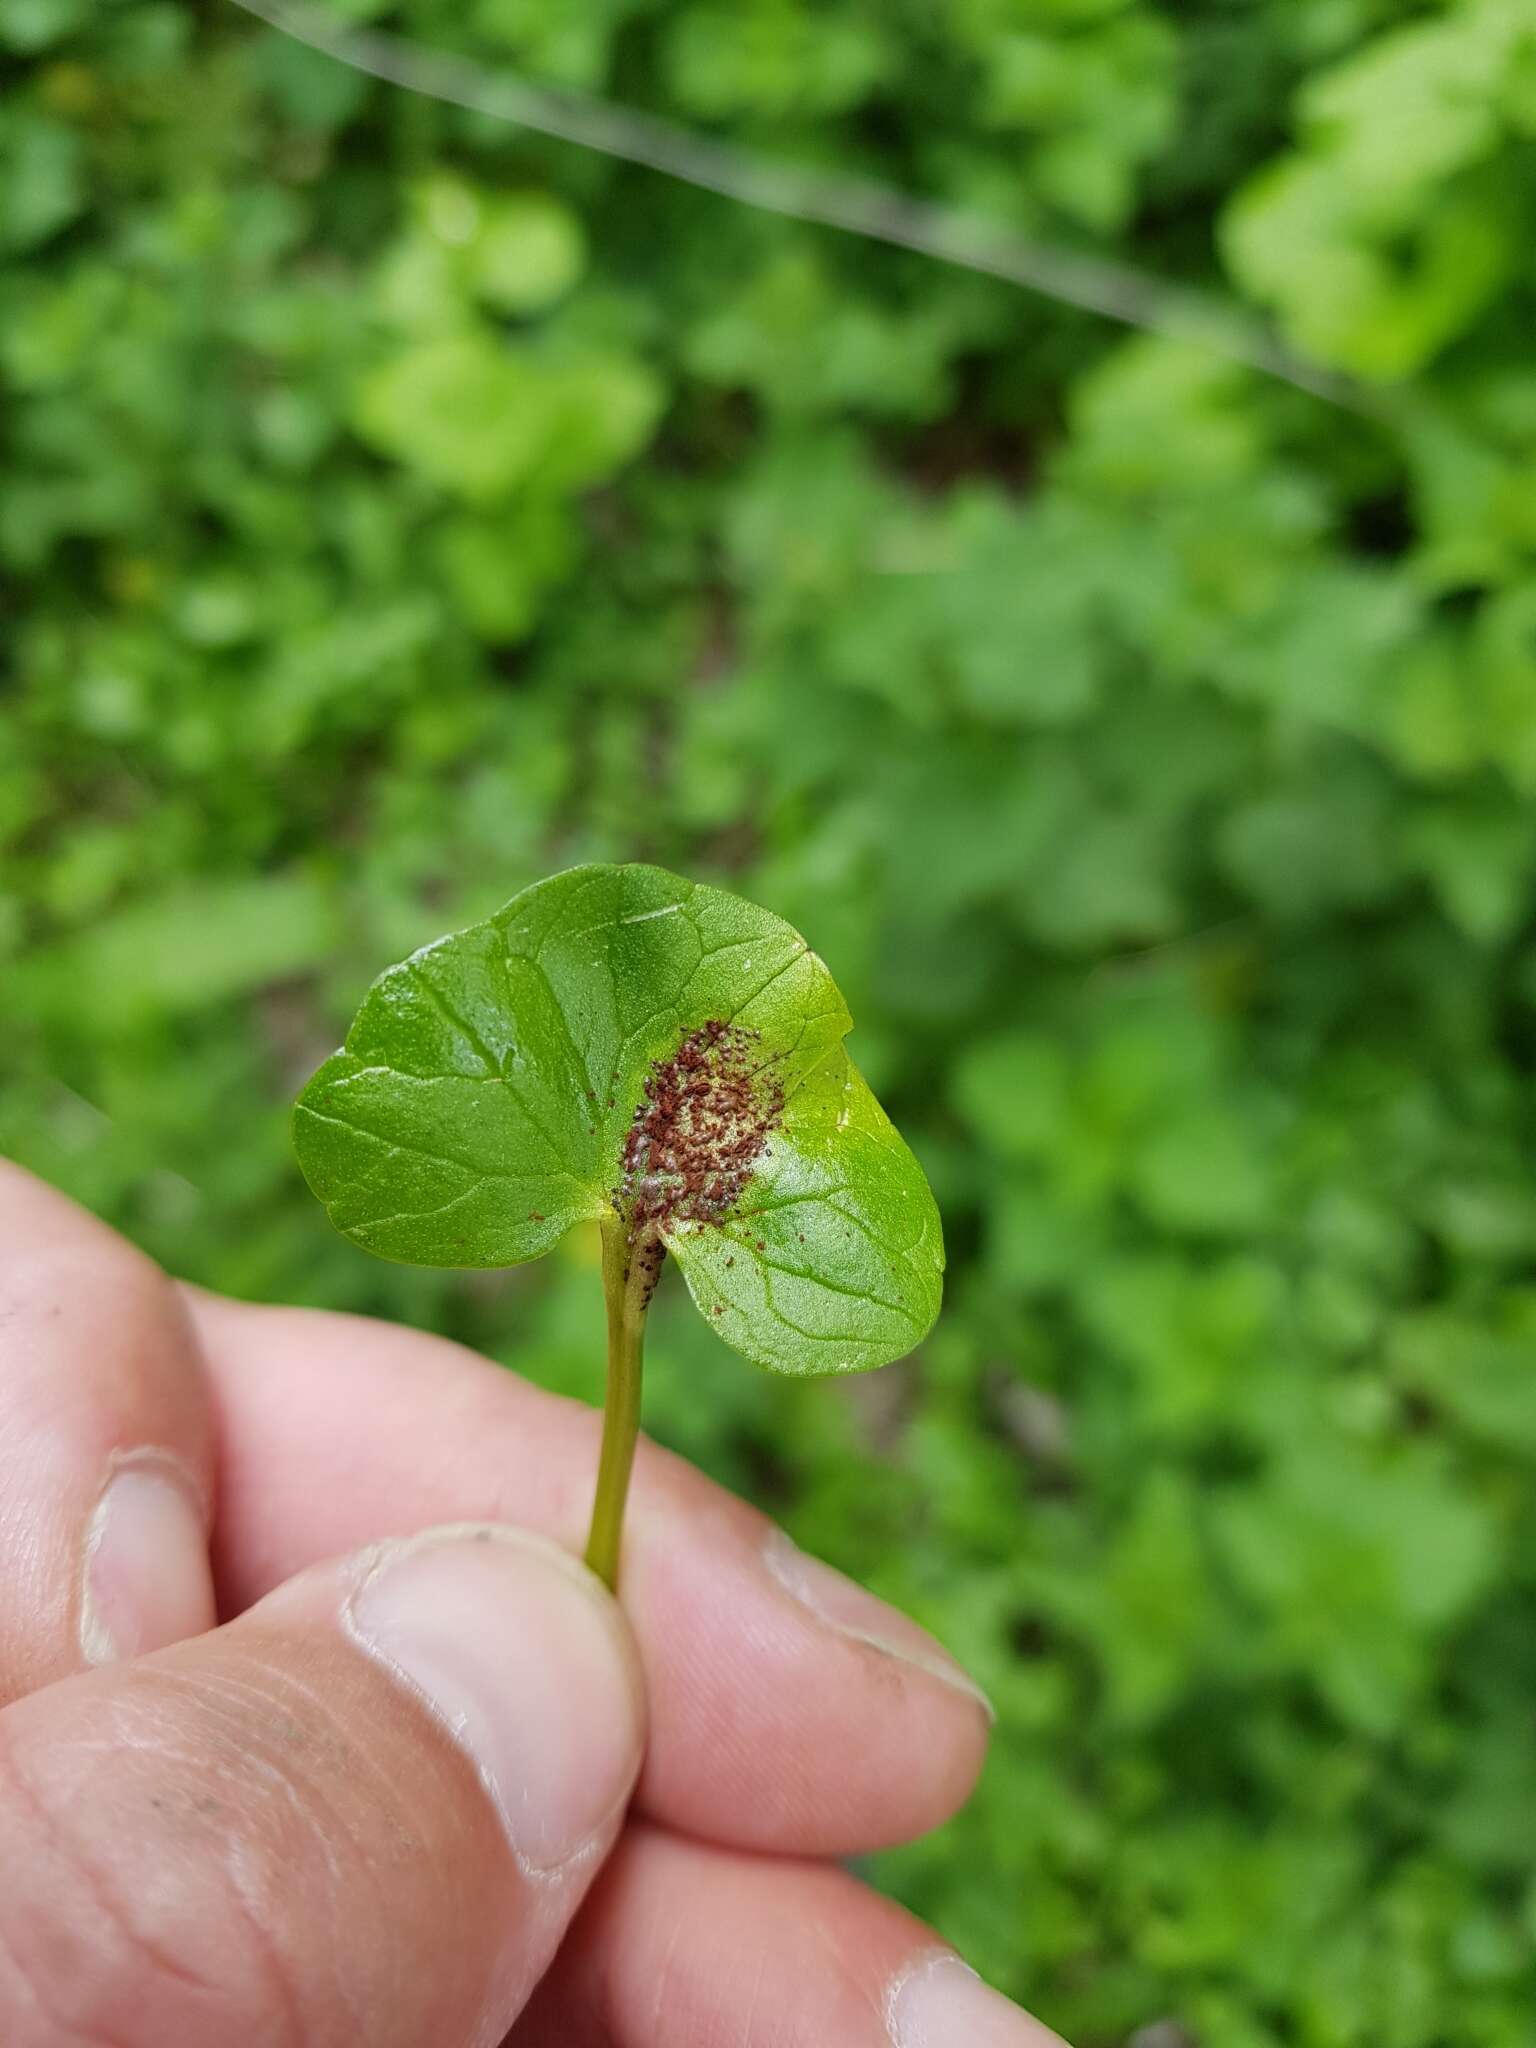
(397, 507)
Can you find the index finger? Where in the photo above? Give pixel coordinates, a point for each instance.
(790, 1709)
(106, 1447)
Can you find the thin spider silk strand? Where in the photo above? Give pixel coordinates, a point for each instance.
(854, 205)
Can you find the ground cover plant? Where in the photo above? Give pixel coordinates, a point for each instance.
(397, 509)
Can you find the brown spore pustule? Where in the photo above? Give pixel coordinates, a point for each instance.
(703, 1122)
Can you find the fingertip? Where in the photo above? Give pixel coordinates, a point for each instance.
(684, 1941)
(938, 2001)
(853, 1726)
(524, 1657)
(861, 1617)
(147, 1579)
(108, 1478)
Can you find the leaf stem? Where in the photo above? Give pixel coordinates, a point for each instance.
(629, 1275)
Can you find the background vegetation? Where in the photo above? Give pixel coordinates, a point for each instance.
(397, 507)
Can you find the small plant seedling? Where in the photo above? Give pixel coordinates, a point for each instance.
(620, 1046)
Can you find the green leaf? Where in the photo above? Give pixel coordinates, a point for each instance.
(481, 419)
(42, 172)
(519, 1077)
(184, 951)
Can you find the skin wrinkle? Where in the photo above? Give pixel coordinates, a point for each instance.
(19, 1978)
(342, 1758)
(664, 1975)
(42, 2007)
(311, 1807)
(228, 1709)
(327, 1739)
(344, 1755)
(274, 1965)
(15, 1783)
(755, 2001)
(857, 1981)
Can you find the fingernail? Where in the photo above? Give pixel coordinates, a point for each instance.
(147, 1580)
(524, 1658)
(938, 2002)
(853, 1612)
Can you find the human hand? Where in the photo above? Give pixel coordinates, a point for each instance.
(422, 1790)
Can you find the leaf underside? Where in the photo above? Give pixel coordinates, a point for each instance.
(482, 1102)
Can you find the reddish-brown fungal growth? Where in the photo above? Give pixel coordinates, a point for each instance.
(702, 1124)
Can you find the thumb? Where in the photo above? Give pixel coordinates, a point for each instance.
(365, 1811)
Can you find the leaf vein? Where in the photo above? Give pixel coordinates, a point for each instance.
(896, 1308)
(451, 1017)
(811, 1336)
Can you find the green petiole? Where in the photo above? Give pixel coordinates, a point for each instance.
(629, 1278)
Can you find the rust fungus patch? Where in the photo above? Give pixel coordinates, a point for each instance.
(702, 1123)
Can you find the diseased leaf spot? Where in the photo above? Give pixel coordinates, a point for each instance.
(703, 1121)
(648, 1255)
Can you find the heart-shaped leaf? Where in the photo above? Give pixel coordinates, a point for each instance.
(617, 1040)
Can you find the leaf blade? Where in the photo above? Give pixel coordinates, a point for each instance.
(483, 1100)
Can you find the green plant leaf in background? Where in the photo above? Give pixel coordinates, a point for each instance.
(617, 1039)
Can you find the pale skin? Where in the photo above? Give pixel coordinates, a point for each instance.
(264, 1781)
